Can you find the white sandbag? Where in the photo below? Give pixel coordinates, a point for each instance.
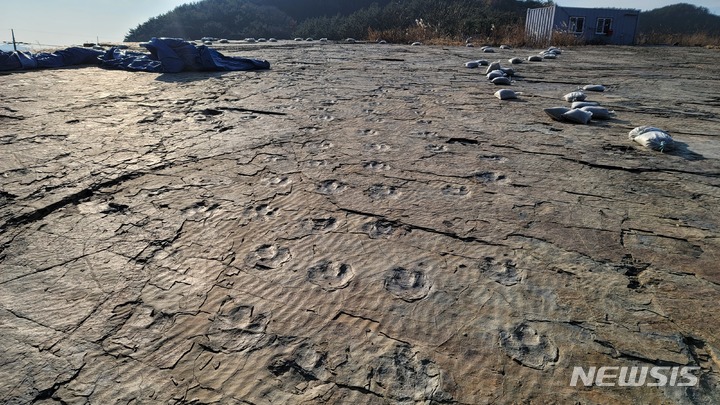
(535, 58)
(515, 61)
(472, 64)
(575, 96)
(577, 116)
(641, 130)
(651, 137)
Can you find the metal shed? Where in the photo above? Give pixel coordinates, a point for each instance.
(593, 25)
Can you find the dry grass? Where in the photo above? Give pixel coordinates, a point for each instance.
(506, 35)
(417, 33)
(514, 35)
(697, 39)
(566, 39)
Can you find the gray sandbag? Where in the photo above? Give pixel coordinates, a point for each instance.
(506, 94)
(556, 113)
(494, 74)
(508, 71)
(581, 104)
(502, 80)
(599, 113)
(577, 116)
(493, 66)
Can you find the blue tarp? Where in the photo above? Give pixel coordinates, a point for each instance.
(68, 57)
(171, 55)
(167, 55)
(17, 60)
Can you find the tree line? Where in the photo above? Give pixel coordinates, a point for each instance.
(333, 19)
(682, 18)
(373, 19)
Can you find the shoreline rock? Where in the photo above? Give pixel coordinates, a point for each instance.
(359, 224)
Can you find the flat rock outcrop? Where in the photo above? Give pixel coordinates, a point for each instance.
(360, 224)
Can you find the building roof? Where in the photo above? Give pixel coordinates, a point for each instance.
(592, 8)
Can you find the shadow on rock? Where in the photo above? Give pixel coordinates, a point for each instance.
(681, 149)
(189, 77)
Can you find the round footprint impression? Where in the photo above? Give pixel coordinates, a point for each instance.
(330, 276)
(268, 257)
(408, 284)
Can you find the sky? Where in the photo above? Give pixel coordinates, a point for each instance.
(72, 22)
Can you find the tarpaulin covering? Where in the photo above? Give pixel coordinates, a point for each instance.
(167, 55)
(68, 57)
(171, 55)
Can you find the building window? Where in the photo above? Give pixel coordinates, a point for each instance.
(577, 25)
(604, 26)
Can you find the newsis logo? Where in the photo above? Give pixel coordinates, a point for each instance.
(657, 376)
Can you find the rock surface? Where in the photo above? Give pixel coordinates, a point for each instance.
(360, 224)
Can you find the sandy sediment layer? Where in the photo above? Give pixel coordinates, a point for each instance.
(360, 224)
